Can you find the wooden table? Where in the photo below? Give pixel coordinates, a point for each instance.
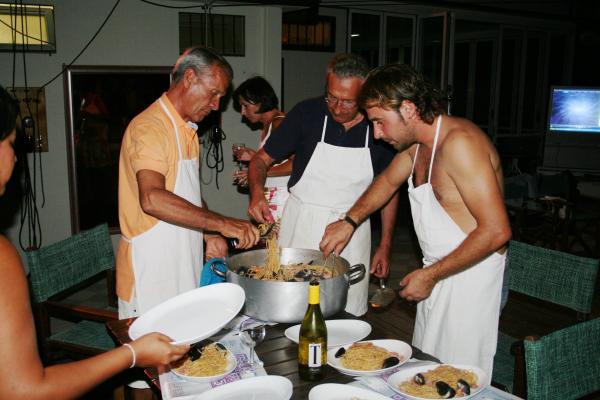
(277, 352)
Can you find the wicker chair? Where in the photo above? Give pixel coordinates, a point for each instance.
(553, 277)
(564, 364)
(61, 270)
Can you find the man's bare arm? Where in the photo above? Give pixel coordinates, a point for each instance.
(257, 175)
(469, 167)
(166, 206)
(380, 265)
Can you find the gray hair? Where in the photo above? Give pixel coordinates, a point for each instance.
(199, 59)
(348, 66)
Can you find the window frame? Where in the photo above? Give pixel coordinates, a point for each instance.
(42, 10)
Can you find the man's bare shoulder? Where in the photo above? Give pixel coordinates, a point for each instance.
(462, 134)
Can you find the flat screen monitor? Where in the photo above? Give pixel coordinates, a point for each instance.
(573, 134)
(574, 109)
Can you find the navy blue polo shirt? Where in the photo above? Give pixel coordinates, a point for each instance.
(301, 130)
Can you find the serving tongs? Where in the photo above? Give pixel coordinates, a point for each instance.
(264, 230)
(383, 297)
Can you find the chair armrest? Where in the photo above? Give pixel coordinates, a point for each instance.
(70, 311)
(111, 279)
(517, 349)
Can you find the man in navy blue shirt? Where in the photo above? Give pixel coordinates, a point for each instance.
(336, 158)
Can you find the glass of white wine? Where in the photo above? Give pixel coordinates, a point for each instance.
(236, 147)
(251, 335)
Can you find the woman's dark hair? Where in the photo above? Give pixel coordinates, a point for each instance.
(256, 90)
(389, 85)
(8, 113)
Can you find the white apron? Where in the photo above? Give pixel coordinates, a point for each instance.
(333, 180)
(167, 259)
(458, 322)
(276, 190)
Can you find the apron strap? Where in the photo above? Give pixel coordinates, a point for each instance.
(435, 139)
(324, 129)
(367, 137)
(166, 110)
(412, 170)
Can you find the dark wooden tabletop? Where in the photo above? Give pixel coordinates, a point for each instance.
(277, 352)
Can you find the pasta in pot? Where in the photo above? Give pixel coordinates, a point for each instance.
(273, 270)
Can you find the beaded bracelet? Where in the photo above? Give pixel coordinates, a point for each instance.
(130, 347)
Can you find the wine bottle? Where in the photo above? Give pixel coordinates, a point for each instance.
(312, 347)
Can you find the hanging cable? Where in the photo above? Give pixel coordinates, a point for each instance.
(214, 150)
(29, 215)
(84, 47)
(166, 6)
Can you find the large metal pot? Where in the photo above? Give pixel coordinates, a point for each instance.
(286, 302)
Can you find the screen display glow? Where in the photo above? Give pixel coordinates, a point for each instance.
(575, 110)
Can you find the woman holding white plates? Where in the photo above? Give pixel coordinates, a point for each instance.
(22, 374)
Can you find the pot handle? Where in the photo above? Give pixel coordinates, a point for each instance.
(356, 273)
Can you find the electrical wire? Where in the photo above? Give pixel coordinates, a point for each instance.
(84, 47)
(23, 34)
(214, 150)
(29, 211)
(175, 7)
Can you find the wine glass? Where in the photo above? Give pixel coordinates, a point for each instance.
(235, 148)
(251, 335)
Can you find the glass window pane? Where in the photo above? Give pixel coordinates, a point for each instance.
(433, 36)
(509, 81)
(483, 79)
(532, 84)
(460, 88)
(398, 40)
(364, 38)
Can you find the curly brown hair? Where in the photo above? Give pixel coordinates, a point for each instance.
(389, 85)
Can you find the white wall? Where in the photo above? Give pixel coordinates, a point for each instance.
(136, 34)
(304, 71)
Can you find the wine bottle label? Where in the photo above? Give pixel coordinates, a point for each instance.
(314, 355)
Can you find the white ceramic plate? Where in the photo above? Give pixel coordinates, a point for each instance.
(231, 364)
(406, 374)
(339, 331)
(269, 387)
(337, 391)
(193, 315)
(403, 350)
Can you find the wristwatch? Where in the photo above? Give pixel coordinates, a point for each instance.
(346, 217)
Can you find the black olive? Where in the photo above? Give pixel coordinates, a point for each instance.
(419, 379)
(463, 387)
(390, 362)
(341, 351)
(445, 390)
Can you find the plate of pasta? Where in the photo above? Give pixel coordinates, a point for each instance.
(369, 358)
(205, 363)
(438, 381)
(339, 331)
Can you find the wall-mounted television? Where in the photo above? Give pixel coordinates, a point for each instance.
(573, 130)
(574, 109)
